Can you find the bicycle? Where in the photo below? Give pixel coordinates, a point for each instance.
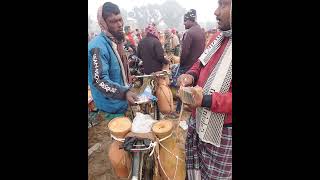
(142, 148)
(142, 163)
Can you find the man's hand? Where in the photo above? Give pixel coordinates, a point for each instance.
(166, 67)
(132, 78)
(187, 107)
(131, 97)
(185, 80)
(197, 93)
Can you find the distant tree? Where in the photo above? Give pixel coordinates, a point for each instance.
(89, 21)
(172, 13)
(141, 15)
(124, 15)
(154, 13)
(93, 26)
(90, 24)
(146, 14)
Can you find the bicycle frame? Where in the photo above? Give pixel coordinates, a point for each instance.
(140, 149)
(138, 154)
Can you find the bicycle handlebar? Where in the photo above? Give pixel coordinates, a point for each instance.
(166, 73)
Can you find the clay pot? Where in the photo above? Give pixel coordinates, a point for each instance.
(168, 161)
(120, 159)
(165, 99)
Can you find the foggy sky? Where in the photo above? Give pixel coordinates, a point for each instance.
(204, 8)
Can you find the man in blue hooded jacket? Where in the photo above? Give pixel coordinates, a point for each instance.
(107, 65)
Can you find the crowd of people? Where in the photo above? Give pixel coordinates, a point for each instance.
(170, 39)
(205, 62)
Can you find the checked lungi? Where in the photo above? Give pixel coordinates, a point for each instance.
(206, 161)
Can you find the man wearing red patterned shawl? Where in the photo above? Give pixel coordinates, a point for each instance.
(209, 137)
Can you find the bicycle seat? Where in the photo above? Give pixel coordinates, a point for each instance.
(138, 142)
(134, 144)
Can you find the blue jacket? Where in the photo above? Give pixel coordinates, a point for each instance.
(105, 76)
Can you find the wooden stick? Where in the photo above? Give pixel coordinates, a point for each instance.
(177, 127)
(94, 148)
(181, 110)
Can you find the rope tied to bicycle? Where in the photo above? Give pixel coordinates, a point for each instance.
(155, 145)
(117, 139)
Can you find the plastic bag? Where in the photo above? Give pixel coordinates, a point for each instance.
(142, 123)
(183, 125)
(146, 96)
